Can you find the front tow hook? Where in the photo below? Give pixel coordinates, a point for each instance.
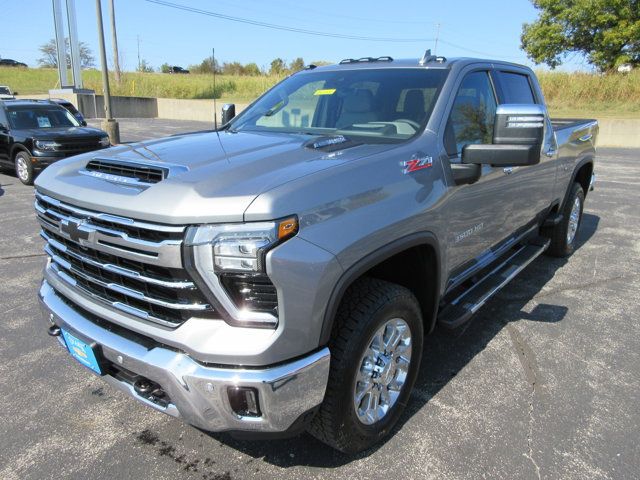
(54, 331)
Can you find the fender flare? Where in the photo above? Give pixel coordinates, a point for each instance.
(588, 158)
(17, 147)
(371, 260)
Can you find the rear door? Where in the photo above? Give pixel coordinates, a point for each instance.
(535, 183)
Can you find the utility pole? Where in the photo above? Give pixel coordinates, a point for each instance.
(138, 38)
(435, 50)
(110, 125)
(114, 41)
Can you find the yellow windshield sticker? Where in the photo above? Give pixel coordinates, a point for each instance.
(326, 91)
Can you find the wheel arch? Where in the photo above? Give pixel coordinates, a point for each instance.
(412, 261)
(18, 147)
(581, 174)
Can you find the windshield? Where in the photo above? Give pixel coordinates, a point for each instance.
(5, 91)
(40, 117)
(385, 105)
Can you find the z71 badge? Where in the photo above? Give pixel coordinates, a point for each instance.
(417, 163)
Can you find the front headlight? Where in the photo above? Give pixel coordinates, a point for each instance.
(104, 142)
(47, 145)
(242, 247)
(230, 260)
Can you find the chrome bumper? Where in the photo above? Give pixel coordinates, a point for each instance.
(198, 393)
(592, 182)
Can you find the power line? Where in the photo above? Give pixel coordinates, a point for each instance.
(286, 28)
(478, 52)
(296, 5)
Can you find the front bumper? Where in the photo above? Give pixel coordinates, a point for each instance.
(45, 161)
(198, 393)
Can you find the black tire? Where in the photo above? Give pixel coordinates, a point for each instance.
(24, 167)
(561, 245)
(366, 307)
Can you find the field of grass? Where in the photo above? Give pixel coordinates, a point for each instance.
(592, 95)
(567, 94)
(242, 88)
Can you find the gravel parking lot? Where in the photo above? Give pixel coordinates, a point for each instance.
(545, 383)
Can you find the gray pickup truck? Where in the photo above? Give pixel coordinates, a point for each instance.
(280, 273)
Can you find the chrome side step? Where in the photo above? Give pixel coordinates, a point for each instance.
(462, 308)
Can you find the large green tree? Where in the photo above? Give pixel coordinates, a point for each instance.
(606, 32)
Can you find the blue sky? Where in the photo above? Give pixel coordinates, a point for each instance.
(488, 28)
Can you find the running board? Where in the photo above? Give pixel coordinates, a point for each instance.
(460, 310)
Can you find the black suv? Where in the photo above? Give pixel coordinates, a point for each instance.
(7, 62)
(36, 133)
(72, 109)
(176, 69)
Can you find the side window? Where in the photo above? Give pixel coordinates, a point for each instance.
(471, 118)
(3, 119)
(516, 88)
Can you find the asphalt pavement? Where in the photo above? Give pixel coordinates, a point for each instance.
(545, 383)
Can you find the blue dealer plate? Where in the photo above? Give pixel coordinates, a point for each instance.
(82, 352)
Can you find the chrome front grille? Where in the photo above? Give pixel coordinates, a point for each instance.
(133, 267)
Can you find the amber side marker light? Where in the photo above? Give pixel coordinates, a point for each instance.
(287, 228)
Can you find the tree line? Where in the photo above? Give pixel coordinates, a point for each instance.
(278, 66)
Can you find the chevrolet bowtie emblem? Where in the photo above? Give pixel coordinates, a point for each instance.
(74, 230)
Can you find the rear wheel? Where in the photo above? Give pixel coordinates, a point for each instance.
(24, 167)
(376, 349)
(563, 235)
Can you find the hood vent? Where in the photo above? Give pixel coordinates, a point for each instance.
(131, 173)
(143, 173)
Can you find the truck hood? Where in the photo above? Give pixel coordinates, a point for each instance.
(216, 179)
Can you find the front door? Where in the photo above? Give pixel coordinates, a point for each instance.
(477, 213)
(4, 137)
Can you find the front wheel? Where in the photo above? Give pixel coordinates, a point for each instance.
(376, 348)
(24, 168)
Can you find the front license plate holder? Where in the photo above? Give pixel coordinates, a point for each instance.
(85, 353)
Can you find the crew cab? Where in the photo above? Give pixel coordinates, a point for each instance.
(37, 133)
(280, 273)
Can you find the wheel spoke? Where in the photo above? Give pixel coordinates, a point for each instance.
(383, 371)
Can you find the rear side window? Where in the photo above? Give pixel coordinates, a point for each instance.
(516, 88)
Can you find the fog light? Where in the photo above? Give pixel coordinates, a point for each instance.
(244, 401)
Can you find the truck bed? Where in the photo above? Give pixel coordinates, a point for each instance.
(570, 123)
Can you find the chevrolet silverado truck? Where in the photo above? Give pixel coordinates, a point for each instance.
(280, 273)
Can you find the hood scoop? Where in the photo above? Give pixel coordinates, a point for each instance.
(331, 143)
(140, 174)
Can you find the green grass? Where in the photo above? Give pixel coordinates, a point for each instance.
(591, 95)
(243, 88)
(567, 94)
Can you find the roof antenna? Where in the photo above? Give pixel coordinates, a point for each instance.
(215, 107)
(426, 57)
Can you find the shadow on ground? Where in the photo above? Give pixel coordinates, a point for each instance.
(445, 355)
